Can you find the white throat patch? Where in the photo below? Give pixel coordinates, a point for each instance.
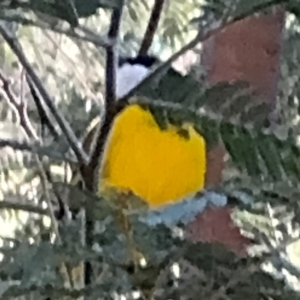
(128, 77)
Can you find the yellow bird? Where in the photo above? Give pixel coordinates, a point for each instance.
(158, 165)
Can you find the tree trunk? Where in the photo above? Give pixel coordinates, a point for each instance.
(248, 50)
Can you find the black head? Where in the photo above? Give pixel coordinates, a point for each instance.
(147, 61)
(131, 71)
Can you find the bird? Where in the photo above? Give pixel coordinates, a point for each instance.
(159, 165)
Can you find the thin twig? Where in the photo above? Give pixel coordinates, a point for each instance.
(20, 109)
(152, 26)
(44, 118)
(37, 149)
(24, 207)
(111, 60)
(89, 36)
(18, 106)
(110, 103)
(200, 38)
(63, 124)
(80, 74)
(21, 112)
(94, 36)
(46, 186)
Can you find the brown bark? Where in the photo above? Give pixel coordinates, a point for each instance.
(248, 50)
(152, 26)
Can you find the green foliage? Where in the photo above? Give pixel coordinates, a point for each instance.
(67, 10)
(259, 154)
(206, 270)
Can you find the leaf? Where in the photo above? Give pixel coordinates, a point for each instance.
(293, 7)
(32, 264)
(67, 10)
(5, 285)
(227, 112)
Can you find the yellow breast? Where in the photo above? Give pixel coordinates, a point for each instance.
(160, 166)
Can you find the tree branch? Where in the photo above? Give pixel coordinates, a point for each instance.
(18, 106)
(21, 112)
(44, 118)
(35, 148)
(89, 36)
(24, 207)
(200, 38)
(65, 127)
(152, 26)
(110, 103)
